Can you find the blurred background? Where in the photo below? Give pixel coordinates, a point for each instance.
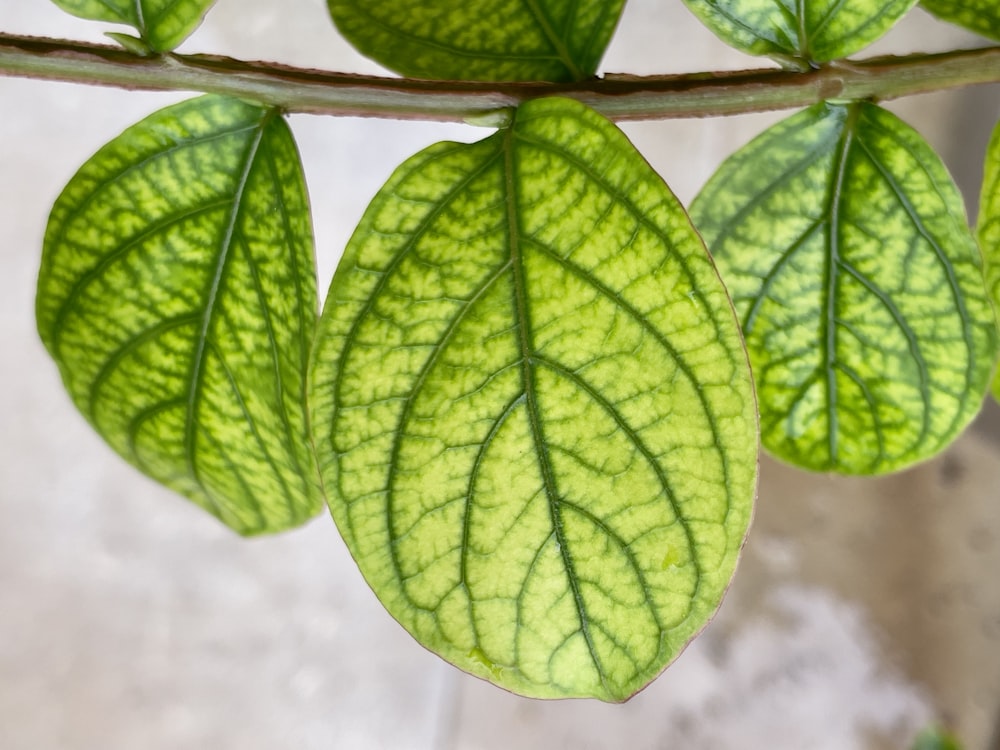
(863, 610)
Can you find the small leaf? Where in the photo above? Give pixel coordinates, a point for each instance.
(178, 297)
(817, 31)
(163, 24)
(481, 40)
(936, 738)
(859, 286)
(989, 226)
(980, 16)
(133, 44)
(533, 409)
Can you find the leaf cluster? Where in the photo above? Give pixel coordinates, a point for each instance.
(529, 401)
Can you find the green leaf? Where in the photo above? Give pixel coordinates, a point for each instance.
(813, 30)
(989, 226)
(481, 40)
(980, 16)
(936, 739)
(132, 44)
(177, 294)
(533, 410)
(859, 286)
(163, 24)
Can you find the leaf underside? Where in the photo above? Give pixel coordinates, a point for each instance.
(481, 40)
(988, 229)
(533, 411)
(177, 294)
(980, 16)
(163, 24)
(860, 289)
(816, 31)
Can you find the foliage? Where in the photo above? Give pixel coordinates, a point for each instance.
(980, 16)
(509, 40)
(527, 400)
(178, 296)
(817, 31)
(162, 24)
(538, 510)
(858, 285)
(936, 738)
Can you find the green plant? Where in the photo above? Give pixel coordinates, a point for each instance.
(936, 738)
(527, 400)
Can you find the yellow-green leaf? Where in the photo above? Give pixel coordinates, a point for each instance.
(936, 738)
(177, 294)
(163, 24)
(481, 40)
(859, 286)
(980, 16)
(989, 226)
(807, 30)
(533, 409)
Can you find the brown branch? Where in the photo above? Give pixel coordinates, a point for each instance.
(619, 97)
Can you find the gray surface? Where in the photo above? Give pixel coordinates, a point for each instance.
(129, 619)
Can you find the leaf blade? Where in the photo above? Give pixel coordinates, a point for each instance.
(477, 437)
(812, 32)
(936, 738)
(543, 40)
(163, 24)
(858, 285)
(177, 296)
(988, 227)
(979, 16)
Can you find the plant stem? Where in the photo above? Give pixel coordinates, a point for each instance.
(619, 97)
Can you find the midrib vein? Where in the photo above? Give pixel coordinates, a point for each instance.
(557, 44)
(523, 319)
(226, 244)
(829, 347)
(800, 11)
(140, 18)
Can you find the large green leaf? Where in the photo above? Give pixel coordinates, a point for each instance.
(533, 409)
(808, 30)
(989, 226)
(859, 287)
(177, 295)
(163, 24)
(980, 16)
(481, 40)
